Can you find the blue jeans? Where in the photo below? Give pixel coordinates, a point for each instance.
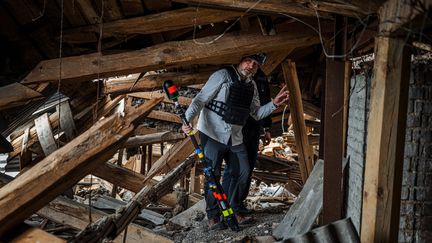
(215, 152)
(251, 134)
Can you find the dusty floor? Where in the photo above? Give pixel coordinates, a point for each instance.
(266, 220)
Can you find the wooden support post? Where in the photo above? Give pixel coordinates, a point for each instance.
(63, 168)
(333, 141)
(274, 59)
(304, 149)
(195, 182)
(45, 135)
(385, 141)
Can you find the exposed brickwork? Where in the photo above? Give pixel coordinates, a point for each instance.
(416, 198)
(356, 146)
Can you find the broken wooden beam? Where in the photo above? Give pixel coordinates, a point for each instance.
(305, 151)
(165, 116)
(63, 168)
(153, 23)
(151, 82)
(76, 215)
(168, 54)
(153, 138)
(110, 227)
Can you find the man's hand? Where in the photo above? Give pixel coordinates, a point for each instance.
(187, 129)
(281, 97)
(267, 137)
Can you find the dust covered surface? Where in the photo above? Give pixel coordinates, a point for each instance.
(266, 221)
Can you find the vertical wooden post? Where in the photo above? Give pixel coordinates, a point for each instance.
(304, 149)
(67, 123)
(333, 141)
(385, 141)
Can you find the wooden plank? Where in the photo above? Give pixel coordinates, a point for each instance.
(274, 59)
(385, 141)
(76, 215)
(26, 154)
(156, 23)
(153, 138)
(63, 168)
(132, 7)
(304, 149)
(164, 116)
(67, 124)
(27, 234)
(169, 54)
(333, 141)
(88, 11)
(150, 95)
(16, 94)
(153, 81)
(45, 135)
(351, 8)
(156, 6)
(302, 214)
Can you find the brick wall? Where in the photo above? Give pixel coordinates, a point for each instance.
(416, 198)
(356, 146)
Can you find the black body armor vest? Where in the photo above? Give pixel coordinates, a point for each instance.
(235, 110)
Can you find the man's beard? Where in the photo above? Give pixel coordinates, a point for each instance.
(245, 73)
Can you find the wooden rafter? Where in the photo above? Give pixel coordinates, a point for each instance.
(165, 55)
(153, 81)
(302, 8)
(155, 23)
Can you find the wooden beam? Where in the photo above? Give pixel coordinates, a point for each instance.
(153, 138)
(274, 59)
(333, 140)
(164, 116)
(63, 168)
(16, 94)
(76, 215)
(28, 234)
(151, 95)
(169, 54)
(304, 149)
(385, 141)
(153, 81)
(302, 8)
(26, 154)
(155, 23)
(45, 135)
